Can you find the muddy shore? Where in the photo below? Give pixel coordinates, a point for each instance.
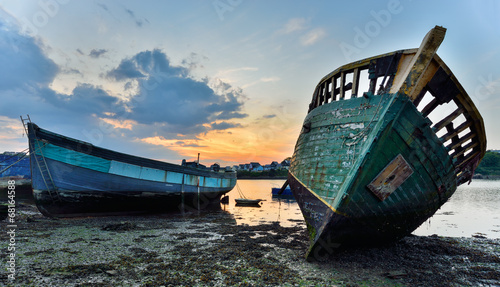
(210, 249)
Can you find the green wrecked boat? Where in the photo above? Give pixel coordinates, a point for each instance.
(372, 164)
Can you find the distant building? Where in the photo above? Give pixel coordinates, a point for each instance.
(255, 166)
(275, 165)
(285, 164)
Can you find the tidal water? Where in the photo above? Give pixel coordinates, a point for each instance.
(473, 210)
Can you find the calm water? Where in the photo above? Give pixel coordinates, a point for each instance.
(473, 210)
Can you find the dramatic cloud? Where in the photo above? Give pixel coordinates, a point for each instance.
(23, 63)
(85, 100)
(162, 100)
(169, 97)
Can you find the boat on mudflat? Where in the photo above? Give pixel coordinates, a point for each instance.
(75, 178)
(372, 164)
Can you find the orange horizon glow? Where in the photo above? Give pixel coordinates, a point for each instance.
(231, 147)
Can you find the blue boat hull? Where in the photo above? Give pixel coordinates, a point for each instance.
(68, 182)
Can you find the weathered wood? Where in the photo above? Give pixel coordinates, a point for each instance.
(355, 82)
(464, 149)
(332, 92)
(461, 141)
(413, 72)
(430, 107)
(437, 127)
(391, 177)
(454, 132)
(342, 84)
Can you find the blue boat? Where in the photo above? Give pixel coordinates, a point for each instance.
(75, 178)
(286, 191)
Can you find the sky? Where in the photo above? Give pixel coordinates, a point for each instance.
(229, 79)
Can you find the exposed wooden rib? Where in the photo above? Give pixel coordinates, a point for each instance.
(355, 83)
(325, 93)
(342, 84)
(332, 92)
(465, 149)
(373, 85)
(461, 141)
(417, 100)
(459, 163)
(447, 120)
(430, 107)
(455, 131)
(315, 102)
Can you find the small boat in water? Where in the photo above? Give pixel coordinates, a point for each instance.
(75, 178)
(369, 168)
(247, 202)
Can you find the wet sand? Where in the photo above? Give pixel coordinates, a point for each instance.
(212, 250)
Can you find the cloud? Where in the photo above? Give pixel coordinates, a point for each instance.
(170, 98)
(224, 126)
(23, 63)
(312, 36)
(84, 100)
(300, 25)
(96, 53)
(163, 100)
(293, 25)
(148, 64)
(138, 22)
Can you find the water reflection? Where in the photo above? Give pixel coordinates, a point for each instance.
(281, 209)
(472, 210)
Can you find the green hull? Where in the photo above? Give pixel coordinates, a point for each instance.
(370, 169)
(348, 144)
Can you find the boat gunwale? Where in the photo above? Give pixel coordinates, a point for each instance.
(82, 146)
(462, 100)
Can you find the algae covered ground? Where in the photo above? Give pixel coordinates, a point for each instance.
(210, 249)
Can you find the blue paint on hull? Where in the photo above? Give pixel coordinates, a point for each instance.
(68, 182)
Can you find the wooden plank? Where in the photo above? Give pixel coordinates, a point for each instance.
(461, 141)
(342, 84)
(455, 131)
(465, 149)
(437, 127)
(412, 75)
(332, 92)
(355, 83)
(430, 107)
(390, 178)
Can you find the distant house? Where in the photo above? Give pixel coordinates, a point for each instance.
(285, 164)
(255, 166)
(267, 167)
(275, 165)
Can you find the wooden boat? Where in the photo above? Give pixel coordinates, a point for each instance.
(248, 202)
(370, 167)
(75, 178)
